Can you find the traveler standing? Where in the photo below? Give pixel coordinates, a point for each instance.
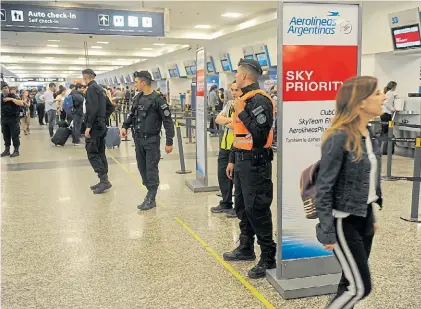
(213, 102)
(350, 163)
(96, 130)
(10, 107)
(388, 106)
(149, 112)
(226, 185)
(252, 156)
(50, 107)
(25, 118)
(40, 106)
(77, 113)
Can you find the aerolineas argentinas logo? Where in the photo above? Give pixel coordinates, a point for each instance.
(328, 25)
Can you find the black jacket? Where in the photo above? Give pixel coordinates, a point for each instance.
(77, 102)
(9, 109)
(342, 183)
(258, 106)
(95, 103)
(151, 112)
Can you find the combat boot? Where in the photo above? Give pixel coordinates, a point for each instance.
(144, 201)
(149, 202)
(6, 152)
(15, 153)
(103, 185)
(267, 261)
(244, 252)
(94, 187)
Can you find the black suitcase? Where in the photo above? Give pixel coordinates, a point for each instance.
(61, 136)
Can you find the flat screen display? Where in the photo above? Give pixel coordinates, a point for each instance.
(122, 79)
(262, 59)
(171, 73)
(251, 57)
(406, 37)
(175, 73)
(210, 67)
(188, 71)
(115, 80)
(193, 69)
(225, 65)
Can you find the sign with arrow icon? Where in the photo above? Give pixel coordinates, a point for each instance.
(3, 14)
(103, 20)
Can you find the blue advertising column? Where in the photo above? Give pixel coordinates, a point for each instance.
(201, 183)
(318, 49)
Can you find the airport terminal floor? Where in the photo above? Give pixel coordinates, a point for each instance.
(63, 247)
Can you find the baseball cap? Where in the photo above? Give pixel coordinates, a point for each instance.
(251, 63)
(143, 74)
(89, 72)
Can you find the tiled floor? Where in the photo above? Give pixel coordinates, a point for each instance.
(63, 247)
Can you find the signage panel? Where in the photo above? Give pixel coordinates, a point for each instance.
(37, 79)
(404, 18)
(36, 18)
(201, 111)
(320, 51)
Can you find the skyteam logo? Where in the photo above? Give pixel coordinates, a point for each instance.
(328, 25)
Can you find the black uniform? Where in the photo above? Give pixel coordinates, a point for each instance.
(77, 113)
(95, 119)
(10, 121)
(253, 184)
(147, 115)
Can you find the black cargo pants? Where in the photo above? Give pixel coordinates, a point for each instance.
(95, 148)
(253, 197)
(148, 154)
(225, 184)
(10, 127)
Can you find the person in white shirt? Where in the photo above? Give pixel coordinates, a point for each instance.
(50, 106)
(388, 106)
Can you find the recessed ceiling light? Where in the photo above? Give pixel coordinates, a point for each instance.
(102, 42)
(121, 59)
(147, 48)
(53, 40)
(159, 44)
(49, 57)
(97, 47)
(52, 45)
(82, 58)
(232, 15)
(202, 26)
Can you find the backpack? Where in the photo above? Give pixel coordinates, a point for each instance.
(308, 190)
(109, 106)
(68, 104)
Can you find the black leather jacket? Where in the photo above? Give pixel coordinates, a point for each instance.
(343, 184)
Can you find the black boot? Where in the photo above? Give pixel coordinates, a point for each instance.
(267, 261)
(104, 184)
(220, 208)
(94, 187)
(232, 213)
(244, 252)
(149, 202)
(6, 152)
(15, 153)
(144, 201)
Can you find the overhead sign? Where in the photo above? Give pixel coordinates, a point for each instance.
(37, 79)
(36, 18)
(404, 18)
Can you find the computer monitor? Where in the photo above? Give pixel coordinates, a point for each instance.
(406, 37)
(262, 59)
(210, 67)
(225, 65)
(193, 69)
(249, 57)
(189, 71)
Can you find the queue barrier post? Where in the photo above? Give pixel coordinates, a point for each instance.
(389, 152)
(414, 215)
(180, 150)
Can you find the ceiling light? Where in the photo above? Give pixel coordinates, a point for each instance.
(102, 42)
(147, 48)
(82, 58)
(159, 44)
(52, 45)
(232, 15)
(121, 59)
(202, 26)
(49, 57)
(97, 47)
(53, 40)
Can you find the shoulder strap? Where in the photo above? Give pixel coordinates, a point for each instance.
(252, 93)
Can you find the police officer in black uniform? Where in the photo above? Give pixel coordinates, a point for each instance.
(149, 111)
(253, 173)
(96, 130)
(10, 108)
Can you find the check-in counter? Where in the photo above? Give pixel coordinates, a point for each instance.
(411, 114)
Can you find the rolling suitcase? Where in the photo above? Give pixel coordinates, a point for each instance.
(61, 136)
(112, 139)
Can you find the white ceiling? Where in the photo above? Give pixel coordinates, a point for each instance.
(28, 54)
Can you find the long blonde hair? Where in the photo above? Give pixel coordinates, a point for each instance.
(348, 102)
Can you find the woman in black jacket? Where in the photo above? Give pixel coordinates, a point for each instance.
(348, 185)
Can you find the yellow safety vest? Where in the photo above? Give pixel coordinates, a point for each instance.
(228, 137)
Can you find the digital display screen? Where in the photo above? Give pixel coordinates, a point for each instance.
(122, 79)
(171, 73)
(188, 71)
(210, 67)
(175, 73)
(193, 69)
(250, 57)
(406, 37)
(128, 79)
(262, 59)
(115, 80)
(225, 65)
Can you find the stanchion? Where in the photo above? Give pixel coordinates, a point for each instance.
(189, 130)
(389, 153)
(414, 216)
(180, 150)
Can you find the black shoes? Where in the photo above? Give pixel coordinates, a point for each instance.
(102, 186)
(220, 209)
(94, 187)
(267, 261)
(232, 213)
(5, 153)
(148, 203)
(15, 153)
(244, 252)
